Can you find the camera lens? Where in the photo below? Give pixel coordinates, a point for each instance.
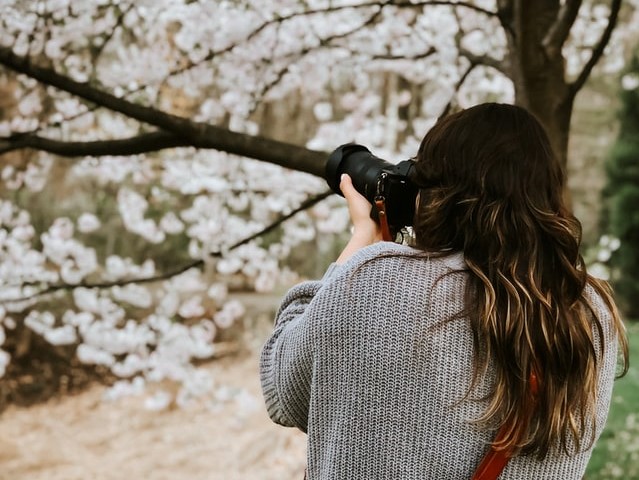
(360, 164)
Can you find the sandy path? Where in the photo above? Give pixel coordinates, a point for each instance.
(84, 437)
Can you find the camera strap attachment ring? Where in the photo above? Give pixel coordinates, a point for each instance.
(380, 204)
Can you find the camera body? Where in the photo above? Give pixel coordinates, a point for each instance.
(376, 179)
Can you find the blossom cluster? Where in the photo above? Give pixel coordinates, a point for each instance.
(378, 74)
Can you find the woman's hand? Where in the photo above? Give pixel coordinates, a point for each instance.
(365, 230)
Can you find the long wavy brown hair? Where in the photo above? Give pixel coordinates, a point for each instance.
(492, 188)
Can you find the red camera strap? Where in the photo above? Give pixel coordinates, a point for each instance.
(495, 460)
(380, 204)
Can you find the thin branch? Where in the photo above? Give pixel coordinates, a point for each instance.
(109, 36)
(144, 143)
(485, 60)
(597, 51)
(473, 58)
(178, 270)
(330, 9)
(323, 43)
(277, 20)
(468, 5)
(418, 56)
(560, 29)
(306, 204)
(458, 85)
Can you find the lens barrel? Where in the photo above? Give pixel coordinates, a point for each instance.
(360, 164)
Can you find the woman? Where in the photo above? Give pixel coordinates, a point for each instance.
(410, 362)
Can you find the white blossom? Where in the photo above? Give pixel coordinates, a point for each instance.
(630, 81)
(91, 300)
(323, 111)
(159, 401)
(603, 255)
(74, 259)
(94, 356)
(116, 267)
(614, 244)
(169, 304)
(265, 282)
(130, 366)
(187, 282)
(39, 322)
(217, 292)
(10, 323)
(36, 174)
(5, 359)
(192, 307)
(227, 266)
(171, 224)
(204, 331)
(133, 294)
(599, 270)
(77, 319)
(196, 385)
(230, 312)
(132, 208)
(88, 222)
(125, 388)
(65, 335)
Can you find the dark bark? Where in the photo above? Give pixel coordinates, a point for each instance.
(144, 143)
(536, 63)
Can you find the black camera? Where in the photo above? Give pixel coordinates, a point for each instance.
(376, 179)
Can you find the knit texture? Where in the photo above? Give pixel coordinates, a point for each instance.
(368, 363)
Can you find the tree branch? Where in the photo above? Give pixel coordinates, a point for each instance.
(597, 51)
(199, 135)
(505, 13)
(48, 76)
(418, 56)
(109, 36)
(309, 202)
(474, 59)
(560, 29)
(144, 143)
(323, 43)
(458, 85)
(485, 60)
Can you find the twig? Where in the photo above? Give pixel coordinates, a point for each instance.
(176, 271)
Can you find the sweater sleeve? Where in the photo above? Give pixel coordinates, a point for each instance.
(286, 362)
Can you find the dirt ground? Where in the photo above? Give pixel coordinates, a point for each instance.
(84, 437)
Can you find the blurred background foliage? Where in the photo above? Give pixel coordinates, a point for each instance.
(621, 195)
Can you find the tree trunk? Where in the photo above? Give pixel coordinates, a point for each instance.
(538, 74)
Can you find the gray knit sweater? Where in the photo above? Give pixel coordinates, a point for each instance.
(365, 363)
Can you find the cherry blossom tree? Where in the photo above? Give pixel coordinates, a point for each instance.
(164, 104)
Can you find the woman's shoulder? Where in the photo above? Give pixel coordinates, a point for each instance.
(386, 254)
